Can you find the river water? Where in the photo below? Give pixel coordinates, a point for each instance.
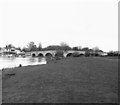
(9, 62)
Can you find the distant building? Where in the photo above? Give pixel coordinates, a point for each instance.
(103, 54)
(4, 50)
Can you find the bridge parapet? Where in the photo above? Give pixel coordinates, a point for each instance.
(52, 52)
(43, 53)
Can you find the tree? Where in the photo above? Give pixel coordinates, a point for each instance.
(79, 47)
(59, 53)
(25, 49)
(75, 48)
(31, 46)
(96, 49)
(85, 49)
(65, 46)
(110, 53)
(39, 47)
(9, 46)
(52, 47)
(87, 53)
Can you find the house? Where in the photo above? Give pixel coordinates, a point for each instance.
(12, 50)
(104, 54)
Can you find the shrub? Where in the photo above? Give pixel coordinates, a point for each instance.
(110, 54)
(57, 58)
(59, 54)
(75, 54)
(87, 53)
(94, 54)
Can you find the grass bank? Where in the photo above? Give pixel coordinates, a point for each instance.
(71, 80)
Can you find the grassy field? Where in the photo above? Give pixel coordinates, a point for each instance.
(0, 87)
(70, 80)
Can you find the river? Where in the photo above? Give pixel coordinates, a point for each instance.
(9, 62)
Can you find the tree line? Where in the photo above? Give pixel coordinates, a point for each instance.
(31, 46)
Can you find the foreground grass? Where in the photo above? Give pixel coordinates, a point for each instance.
(71, 80)
(0, 87)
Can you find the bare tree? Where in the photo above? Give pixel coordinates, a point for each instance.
(39, 47)
(96, 48)
(31, 46)
(79, 47)
(64, 46)
(95, 51)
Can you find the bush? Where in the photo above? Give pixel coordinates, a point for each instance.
(110, 54)
(113, 53)
(87, 53)
(75, 54)
(57, 58)
(59, 54)
(94, 54)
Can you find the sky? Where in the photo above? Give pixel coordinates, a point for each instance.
(85, 23)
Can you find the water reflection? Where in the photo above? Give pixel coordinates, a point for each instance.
(32, 60)
(8, 62)
(40, 59)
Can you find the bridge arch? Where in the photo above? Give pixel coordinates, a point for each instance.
(33, 55)
(40, 55)
(48, 54)
(69, 54)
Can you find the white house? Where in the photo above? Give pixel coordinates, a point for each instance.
(104, 54)
(13, 50)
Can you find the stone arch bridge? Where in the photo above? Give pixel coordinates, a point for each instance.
(52, 53)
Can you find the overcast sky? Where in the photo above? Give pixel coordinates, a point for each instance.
(86, 23)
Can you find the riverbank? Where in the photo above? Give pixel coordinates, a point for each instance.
(69, 80)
